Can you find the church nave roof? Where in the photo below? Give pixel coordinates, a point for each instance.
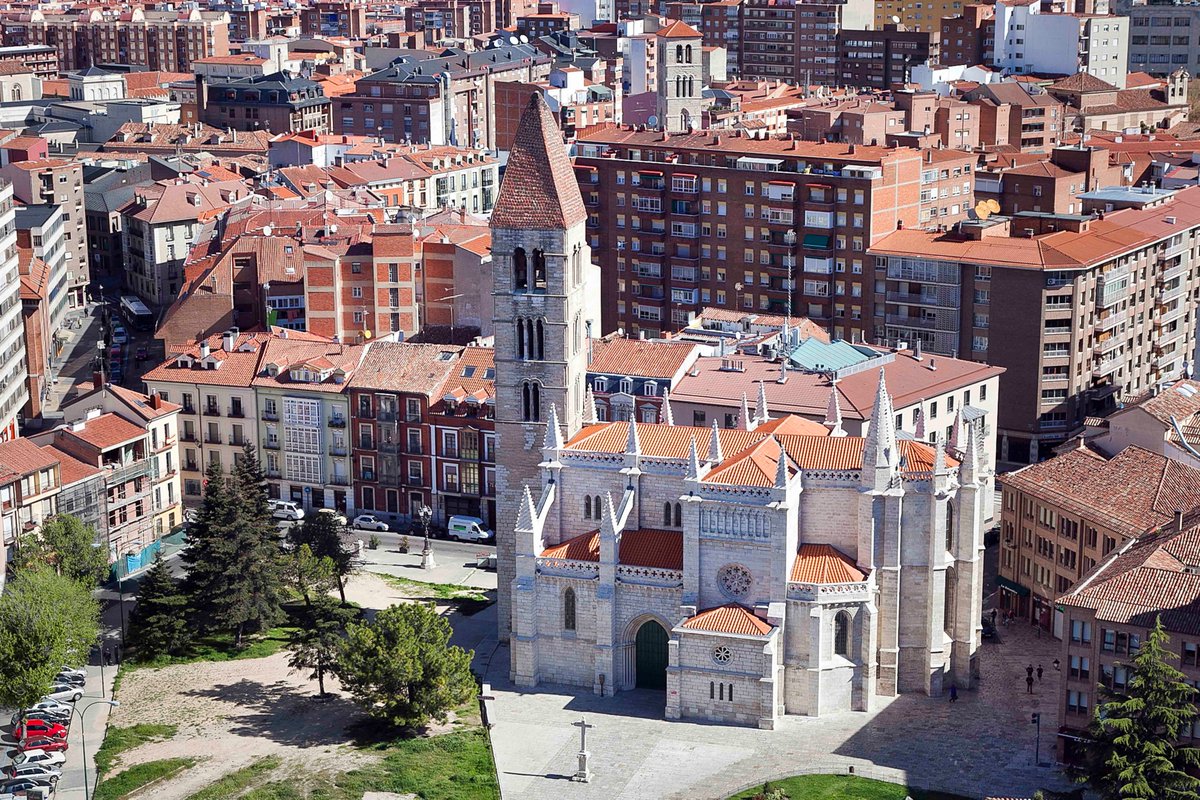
(730, 618)
(824, 563)
(645, 547)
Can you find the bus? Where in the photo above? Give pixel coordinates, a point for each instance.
(137, 313)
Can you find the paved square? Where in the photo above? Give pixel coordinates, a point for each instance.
(983, 744)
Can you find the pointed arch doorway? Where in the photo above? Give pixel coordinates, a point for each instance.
(650, 647)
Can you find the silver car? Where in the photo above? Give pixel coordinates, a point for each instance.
(64, 692)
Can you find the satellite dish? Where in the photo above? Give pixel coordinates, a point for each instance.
(524, 39)
(993, 206)
(652, 121)
(895, 20)
(513, 40)
(266, 230)
(982, 210)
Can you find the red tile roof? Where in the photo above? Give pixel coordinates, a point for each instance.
(645, 547)
(679, 30)
(823, 563)
(70, 469)
(732, 619)
(106, 431)
(642, 358)
(405, 367)
(237, 368)
(539, 189)
(21, 457)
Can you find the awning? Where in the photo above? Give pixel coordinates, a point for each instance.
(1010, 586)
(684, 175)
(781, 183)
(650, 172)
(816, 241)
(588, 167)
(818, 186)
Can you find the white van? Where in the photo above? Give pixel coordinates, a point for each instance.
(468, 529)
(286, 509)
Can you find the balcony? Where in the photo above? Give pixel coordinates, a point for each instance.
(236, 412)
(1107, 366)
(188, 436)
(270, 416)
(1167, 295)
(211, 439)
(165, 444)
(387, 416)
(188, 408)
(338, 449)
(340, 480)
(271, 472)
(1110, 320)
(337, 422)
(1172, 314)
(212, 411)
(191, 466)
(414, 449)
(1180, 269)
(237, 441)
(389, 447)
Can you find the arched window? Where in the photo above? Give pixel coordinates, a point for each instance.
(577, 264)
(520, 269)
(531, 398)
(678, 515)
(678, 86)
(679, 53)
(530, 346)
(841, 634)
(667, 514)
(687, 53)
(949, 526)
(520, 338)
(539, 270)
(596, 505)
(587, 506)
(541, 341)
(569, 609)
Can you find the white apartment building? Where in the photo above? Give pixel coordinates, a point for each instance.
(1029, 40)
(45, 227)
(13, 388)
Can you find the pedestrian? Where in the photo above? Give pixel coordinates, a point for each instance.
(1029, 672)
(953, 693)
(1029, 684)
(1039, 673)
(993, 617)
(107, 657)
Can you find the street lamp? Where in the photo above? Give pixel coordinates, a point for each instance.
(83, 738)
(1037, 741)
(424, 517)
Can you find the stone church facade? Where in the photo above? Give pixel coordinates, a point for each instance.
(781, 567)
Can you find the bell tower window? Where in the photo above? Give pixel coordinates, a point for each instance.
(539, 270)
(521, 269)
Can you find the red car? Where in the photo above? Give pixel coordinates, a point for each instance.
(43, 743)
(39, 727)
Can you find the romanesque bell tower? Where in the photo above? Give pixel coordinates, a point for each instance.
(546, 294)
(680, 77)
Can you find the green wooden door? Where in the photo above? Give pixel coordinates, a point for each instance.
(651, 644)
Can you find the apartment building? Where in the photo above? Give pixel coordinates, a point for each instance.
(925, 18)
(1163, 37)
(449, 99)
(631, 378)
(58, 182)
(1062, 517)
(41, 59)
(882, 58)
(758, 224)
(160, 421)
(1054, 185)
(103, 198)
(304, 408)
(795, 40)
(155, 40)
(1019, 115)
(1081, 309)
(210, 382)
(277, 103)
(1163, 421)
(1030, 40)
(14, 391)
(345, 18)
(969, 38)
(41, 238)
(159, 226)
(439, 20)
(29, 483)
(1108, 618)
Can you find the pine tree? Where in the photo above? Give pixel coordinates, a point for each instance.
(210, 552)
(316, 643)
(326, 538)
(1134, 751)
(256, 590)
(158, 625)
(310, 576)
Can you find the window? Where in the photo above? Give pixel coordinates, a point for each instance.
(587, 506)
(569, 609)
(841, 634)
(531, 401)
(1189, 653)
(1081, 631)
(520, 269)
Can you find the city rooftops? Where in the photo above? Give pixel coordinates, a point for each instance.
(730, 143)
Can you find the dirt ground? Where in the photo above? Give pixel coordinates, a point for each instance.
(231, 713)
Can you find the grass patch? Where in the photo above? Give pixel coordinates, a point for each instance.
(222, 647)
(118, 740)
(453, 766)
(139, 775)
(238, 781)
(843, 787)
(434, 591)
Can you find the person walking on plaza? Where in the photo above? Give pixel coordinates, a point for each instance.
(993, 618)
(1039, 673)
(1029, 672)
(1029, 684)
(953, 693)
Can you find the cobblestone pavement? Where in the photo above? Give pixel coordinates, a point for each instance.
(983, 744)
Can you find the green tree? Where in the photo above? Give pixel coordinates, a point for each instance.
(1134, 751)
(210, 552)
(325, 536)
(158, 625)
(46, 621)
(311, 576)
(68, 547)
(316, 644)
(401, 668)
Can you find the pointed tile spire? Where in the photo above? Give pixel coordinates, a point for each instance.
(939, 456)
(610, 511)
(527, 513)
(693, 467)
(633, 445)
(880, 449)
(553, 439)
(833, 412)
(667, 415)
(714, 445)
(590, 417)
(539, 190)
(919, 431)
(746, 421)
(760, 407)
(972, 457)
(956, 432)
(781, 467)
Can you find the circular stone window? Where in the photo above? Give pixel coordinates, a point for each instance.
(734, 581)
(722, 655)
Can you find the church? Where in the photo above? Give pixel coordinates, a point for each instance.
(779, 567)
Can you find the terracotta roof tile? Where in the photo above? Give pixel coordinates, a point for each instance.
(405, 367)
(539, 189)
(236, 368)
(732, 619)
(679, 30)
(106, 431)
(645, 547)
(70, 469)
(21, 457)
(823, 563)
(1083, 82)
(642, 358)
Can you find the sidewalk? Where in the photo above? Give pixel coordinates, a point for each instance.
(85, 739)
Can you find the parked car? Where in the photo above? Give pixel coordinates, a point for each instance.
(468, 529)
(119, 335)
(63, 691)
(370, 522)
(78, 671)
(39, 727)
(44, 743)
(141, 354)
(45, 714)
(26, 788)
(34, 771)
(38, 757)
(114, 352)
(70, 679)
(286, 509)
(338, 518)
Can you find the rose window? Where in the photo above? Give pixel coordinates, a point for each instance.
(722, 655)
(734, 580)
